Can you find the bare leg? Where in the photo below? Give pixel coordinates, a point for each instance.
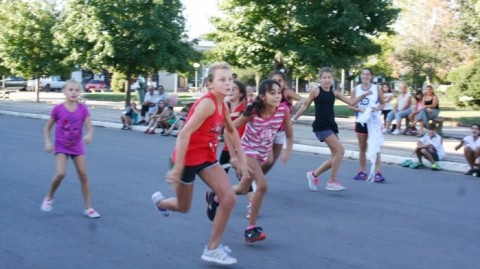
(81, 165)
(61, 168)
(362, 144)
(338, 152)
(272, 158)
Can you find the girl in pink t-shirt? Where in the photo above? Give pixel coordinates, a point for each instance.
(69, 118)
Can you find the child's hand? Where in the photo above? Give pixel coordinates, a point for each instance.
(173, 175)
(285, 156)
(87, 139)
(48, 147)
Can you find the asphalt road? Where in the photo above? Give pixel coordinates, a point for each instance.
(417, 219)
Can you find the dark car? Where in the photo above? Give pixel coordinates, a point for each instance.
(95, 85)
(14, 83)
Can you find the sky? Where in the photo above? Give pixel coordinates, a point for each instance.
(197, 13)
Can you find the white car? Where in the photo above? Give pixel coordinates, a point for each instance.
(50, 83)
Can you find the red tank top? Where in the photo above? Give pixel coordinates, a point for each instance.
(204, 141)
(241, 129)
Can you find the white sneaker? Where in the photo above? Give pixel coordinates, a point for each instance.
(396, 132)
(91, 213)
(220, 255)
(335, 186)
(313, 181)
(47, 204)
(157, 198)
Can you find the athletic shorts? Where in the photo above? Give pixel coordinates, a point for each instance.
(190, 172)
(361, 128)
(280, 138)
(321, 135)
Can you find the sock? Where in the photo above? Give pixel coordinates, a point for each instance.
(215, 198)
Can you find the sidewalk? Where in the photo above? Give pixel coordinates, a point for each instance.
(395, 150)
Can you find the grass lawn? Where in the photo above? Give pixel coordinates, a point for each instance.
(448, 109)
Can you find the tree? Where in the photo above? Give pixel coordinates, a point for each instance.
(425, 47)
(132, 37)
(299, 36)
(26, 41)
(466, 88)
(469, 16)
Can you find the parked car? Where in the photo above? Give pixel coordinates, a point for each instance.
(14, 83)
(50, 83)
(95, 85)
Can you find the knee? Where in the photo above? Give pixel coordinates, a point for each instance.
(60, 175)
(262, 186)
(228, 200)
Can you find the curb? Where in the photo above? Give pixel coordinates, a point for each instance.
(350, 154)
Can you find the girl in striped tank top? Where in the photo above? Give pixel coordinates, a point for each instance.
(263, 120)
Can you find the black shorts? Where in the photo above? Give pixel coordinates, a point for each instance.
(190, 172)
(361, 128)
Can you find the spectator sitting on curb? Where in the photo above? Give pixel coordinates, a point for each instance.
(152, 123)
(128, 115)
(166, 120)
(471, 150)
(429, 146)
(178, 124)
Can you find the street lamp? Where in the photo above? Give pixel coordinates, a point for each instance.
(196, 65)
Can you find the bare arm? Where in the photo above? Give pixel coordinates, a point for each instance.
(235, 148)
(46, 134)
(306, 105)
(290, 94)
(353, 107)
(289, 135)
(87, 139)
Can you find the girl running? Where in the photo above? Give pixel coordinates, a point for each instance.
(263, 120)
(69, 118)
(325, 127)
(196, 153)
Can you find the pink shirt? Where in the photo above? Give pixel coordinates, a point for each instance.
(69, 129)
(257, 140)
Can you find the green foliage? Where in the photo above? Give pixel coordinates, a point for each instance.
(27, 44)
(118, 82)
(300, 36)
(466, 88)
(132, 37)
(469, 16)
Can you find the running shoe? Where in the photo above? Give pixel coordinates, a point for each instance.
(254, 234)
(313, 181)
(220, 255)
(469, 172)
(211, 205)
(395, 132)
(435, 166)
(47, 204)
(91, 213)
(334, 186)
(157, 198)
(361, 176)
(379, 177)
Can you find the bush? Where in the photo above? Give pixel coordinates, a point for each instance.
(466, 89)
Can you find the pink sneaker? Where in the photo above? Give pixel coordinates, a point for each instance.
(313, 181)
(335, 186)
(91, 213)
(47, 204)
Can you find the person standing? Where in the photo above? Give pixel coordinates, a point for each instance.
(374, 101)
(325, 127)
(196, 153)
(69, 118)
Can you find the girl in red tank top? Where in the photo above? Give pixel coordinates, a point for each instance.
(195, 153)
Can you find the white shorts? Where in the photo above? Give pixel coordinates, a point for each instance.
(280, 138)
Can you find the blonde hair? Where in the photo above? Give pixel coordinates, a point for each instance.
(215, 66)
(325, 70)
(72, 81)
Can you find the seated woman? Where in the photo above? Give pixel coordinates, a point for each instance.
(402, 109)
(431, 108)
(152, 121)
(415, 116)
